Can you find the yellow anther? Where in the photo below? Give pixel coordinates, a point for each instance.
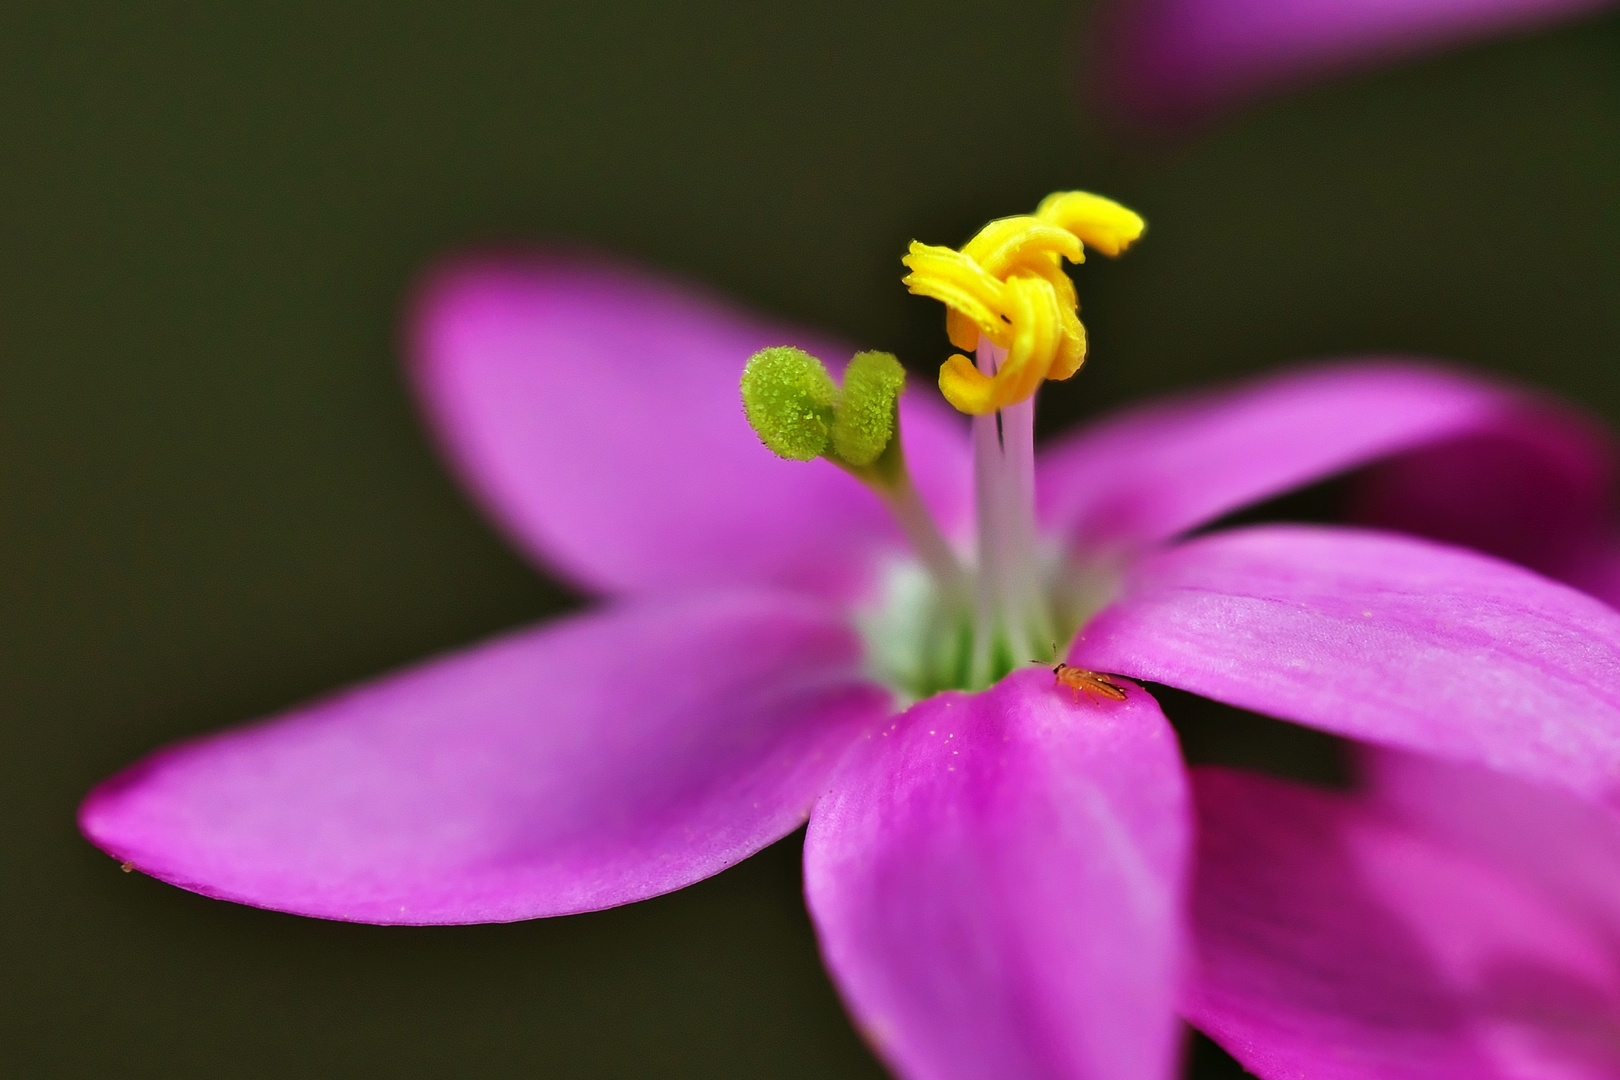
(1099, 222)
(963, 286)
(1008, 284)
(1022, 243)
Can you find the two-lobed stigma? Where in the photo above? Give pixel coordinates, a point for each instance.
(797, 410)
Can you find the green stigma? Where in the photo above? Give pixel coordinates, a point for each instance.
(790, 401)
(864, 422)
(799, 413)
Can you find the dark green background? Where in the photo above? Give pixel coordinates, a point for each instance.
(215, 499)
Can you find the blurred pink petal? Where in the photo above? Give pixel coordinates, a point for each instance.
(590, 762)
(1170, 63)
(1598, 570)
(1567, 846)
(996, 878)
(593, 409)
(1153, 472)
(1336, 940)
(1539, 492)
(1381, 638)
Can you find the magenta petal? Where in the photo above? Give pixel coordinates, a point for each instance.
(1569, 847)
(1382, 638)
(594, 410)
(1155, 472)
(996, 880)
(591, 762)
(1336, 941)
(1174, 62)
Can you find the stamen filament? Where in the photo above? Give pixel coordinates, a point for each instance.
(1009, 613)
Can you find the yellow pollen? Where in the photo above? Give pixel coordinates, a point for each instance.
(1008, 284)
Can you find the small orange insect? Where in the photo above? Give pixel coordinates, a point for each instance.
(1096, 685)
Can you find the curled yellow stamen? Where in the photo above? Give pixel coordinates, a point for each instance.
(1008, 285)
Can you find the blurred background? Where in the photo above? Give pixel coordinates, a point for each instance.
(216, 500)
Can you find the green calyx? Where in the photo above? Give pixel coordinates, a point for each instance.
(799, 413)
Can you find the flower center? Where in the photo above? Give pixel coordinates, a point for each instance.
(1008, 299)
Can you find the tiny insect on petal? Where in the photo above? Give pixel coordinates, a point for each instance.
(1097, 686)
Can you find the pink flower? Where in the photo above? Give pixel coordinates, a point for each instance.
(1174, 62)
(998, 878)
